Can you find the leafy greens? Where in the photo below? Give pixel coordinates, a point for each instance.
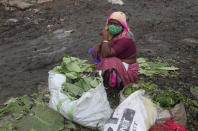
(80, 76)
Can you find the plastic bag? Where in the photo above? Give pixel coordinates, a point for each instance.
(162, 115)
(179, 114)
(90, 110)
(135, 113)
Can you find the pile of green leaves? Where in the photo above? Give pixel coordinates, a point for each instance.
(148, 87)
(29, 113)
(73, 67)
(81, 85)
(148, 68)
(17, 106)
(168, 99)
(165, 99)
(80, 76)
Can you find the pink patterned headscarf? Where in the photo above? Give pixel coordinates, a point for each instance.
(121, 17)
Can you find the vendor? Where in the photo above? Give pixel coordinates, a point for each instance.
(116, 54)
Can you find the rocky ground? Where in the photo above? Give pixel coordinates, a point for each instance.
(34, 39)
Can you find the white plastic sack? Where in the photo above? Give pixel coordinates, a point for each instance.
(135, 113)
(90, 110)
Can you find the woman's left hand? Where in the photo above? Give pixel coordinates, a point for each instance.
(96, 51)
(105, 34)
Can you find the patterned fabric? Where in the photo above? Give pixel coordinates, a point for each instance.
(112, 79)
(172, 126)
(127, 77)
(159, 127)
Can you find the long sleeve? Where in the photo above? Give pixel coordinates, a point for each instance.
(107, 50)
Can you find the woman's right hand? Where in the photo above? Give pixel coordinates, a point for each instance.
(105, 34)
(96, 51)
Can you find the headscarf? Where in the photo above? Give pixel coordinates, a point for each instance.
(121, 17)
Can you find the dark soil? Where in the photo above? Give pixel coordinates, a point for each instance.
(28, 49)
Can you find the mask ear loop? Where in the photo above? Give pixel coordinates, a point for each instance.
(107, 28)
(110, 36)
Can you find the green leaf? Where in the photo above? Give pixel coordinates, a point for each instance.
(74, 67)
(195, 103)
(172, 68)
(66, 60)
(86, 84)
(86, 68)
(13, 107)
(154, 68)
(43, 119)
(72, 89)
(6, 124)
(161, 72)
(141, 60)
(69, 31)
(70, 125)
(32, 130)
(194, 91)
(94, 83)
(11, 100)
(57, 70)
(26, 101)
(72, 75)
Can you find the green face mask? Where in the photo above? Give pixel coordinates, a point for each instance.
(114, 30)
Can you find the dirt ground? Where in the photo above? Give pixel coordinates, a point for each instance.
(28, 49)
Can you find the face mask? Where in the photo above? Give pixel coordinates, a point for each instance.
(114, 30)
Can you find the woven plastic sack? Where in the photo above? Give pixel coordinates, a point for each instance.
(90, 110)
(135, 113)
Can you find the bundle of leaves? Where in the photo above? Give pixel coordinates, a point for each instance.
(79, 86)
(148, 68)
(165, 99)
(80, 76)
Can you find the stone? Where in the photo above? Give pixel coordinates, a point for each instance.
(152, 38)
(20, 4)
(11, 21)
(36, 10)
(119, 2)
(191, 40)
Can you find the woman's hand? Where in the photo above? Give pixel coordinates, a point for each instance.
(105, 34)
(96, 51)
